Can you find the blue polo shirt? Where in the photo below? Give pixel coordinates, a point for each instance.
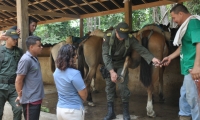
(33, 89)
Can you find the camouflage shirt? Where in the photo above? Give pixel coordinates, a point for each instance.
(118, 50)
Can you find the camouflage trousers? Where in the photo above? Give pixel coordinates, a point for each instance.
(10, 95)
(123, 87)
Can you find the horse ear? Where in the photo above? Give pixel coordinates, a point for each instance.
(168, 25)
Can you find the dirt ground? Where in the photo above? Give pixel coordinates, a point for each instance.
(164, 111)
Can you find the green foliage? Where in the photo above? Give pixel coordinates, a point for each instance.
(193, 6)
(56, 32)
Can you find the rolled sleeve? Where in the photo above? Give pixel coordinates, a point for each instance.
(107, 59)
(142, 51)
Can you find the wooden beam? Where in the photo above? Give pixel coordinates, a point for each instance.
(90, 5)
(102, 5)
(78, 6)
(81, 28)
(68, 7)
(115, 3)
(53, 14)
(6, 24)
(7, 8)
(154, 4)
(175, 1)
(128, 13)
(22, 22)
(39, 12)
(5, 28)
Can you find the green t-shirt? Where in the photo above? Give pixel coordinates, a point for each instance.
(188, 49)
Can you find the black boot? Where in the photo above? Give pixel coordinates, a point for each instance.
(126, 115)
(110, 115)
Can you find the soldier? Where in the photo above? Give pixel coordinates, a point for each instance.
(10, 54)
(114, 56)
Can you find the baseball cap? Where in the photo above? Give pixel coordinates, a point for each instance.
(12, 33)
(122, 29)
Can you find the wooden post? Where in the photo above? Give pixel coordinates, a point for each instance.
(128, 13)
(22, 22)
(81, 28)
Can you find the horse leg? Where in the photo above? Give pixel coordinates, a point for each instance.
(161, 96)
(124, 70)
(150, 89)
(149, 108)
(88, 80)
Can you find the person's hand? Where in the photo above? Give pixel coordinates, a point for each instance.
(17, 101)
(3, 37)
(156, 62)
(195, 73)
(18, 31)
(113, 76)
(166, 61)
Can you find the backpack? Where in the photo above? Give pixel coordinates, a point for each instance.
(18, 53)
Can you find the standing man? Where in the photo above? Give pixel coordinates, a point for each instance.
(189, 50)
(114, 57)
(10, 54)
(29, 83)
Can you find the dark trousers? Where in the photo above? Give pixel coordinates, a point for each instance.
(31, 112)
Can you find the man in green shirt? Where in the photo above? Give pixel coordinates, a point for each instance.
(189, 51)
(114, 57)
(9, 58)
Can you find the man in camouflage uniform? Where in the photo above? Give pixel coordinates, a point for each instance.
(114, 59)
(10, 55)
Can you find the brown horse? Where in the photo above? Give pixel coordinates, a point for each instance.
(157, 42)
(90, 56)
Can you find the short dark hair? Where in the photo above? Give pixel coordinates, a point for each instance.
(31, 40)
(65, 57)
(179, 8)
(31, 19)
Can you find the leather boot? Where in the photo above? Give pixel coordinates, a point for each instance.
(111, 114)
(126, 115)
(185, 118)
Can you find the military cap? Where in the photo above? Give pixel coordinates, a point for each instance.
(12, 33)
(122, 29)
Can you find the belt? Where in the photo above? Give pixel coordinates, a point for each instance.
(12, 81)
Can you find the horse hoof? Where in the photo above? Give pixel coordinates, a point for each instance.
(95, 91)
(152, 114)
(162, 100)
(91, 104)
(120, 79)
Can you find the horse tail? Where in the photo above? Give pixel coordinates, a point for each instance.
(52, 63)
(81, 60)
(145, 68)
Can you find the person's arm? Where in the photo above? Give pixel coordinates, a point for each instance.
(107, 59)
(166, 61)
(143, 52)
(19, 84)
(83, 94)
(195, 72)
(79, 84)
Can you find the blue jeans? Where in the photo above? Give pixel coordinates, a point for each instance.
(188, 101)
